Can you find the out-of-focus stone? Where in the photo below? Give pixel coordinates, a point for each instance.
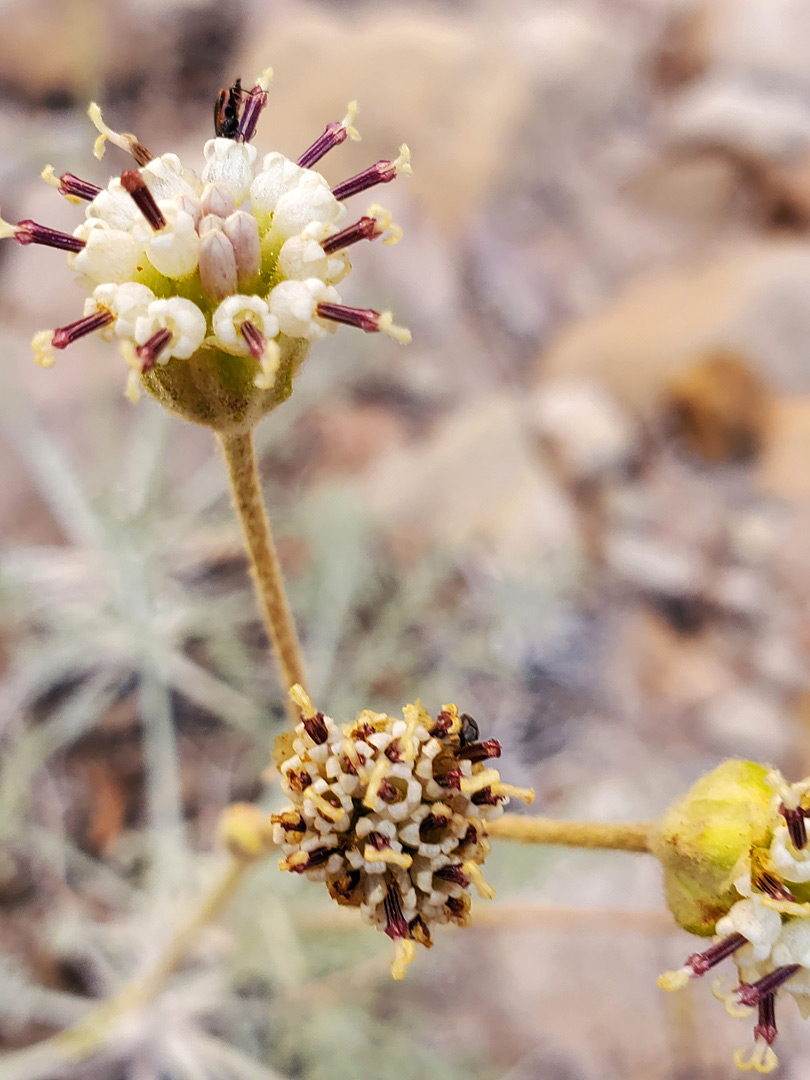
(752, 298)
(585, 430)
(720, 407)
(477, 485)
(784, 469)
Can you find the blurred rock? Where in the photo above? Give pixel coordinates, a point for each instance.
(750, 297)
(784, 470)
(476, 484)
(587, 433)
(720, 408)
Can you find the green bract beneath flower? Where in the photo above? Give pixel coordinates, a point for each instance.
(216, 284)
(737, 865)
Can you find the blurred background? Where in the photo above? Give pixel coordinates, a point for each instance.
(578, 505)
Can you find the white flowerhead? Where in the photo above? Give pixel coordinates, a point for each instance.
(170, 257)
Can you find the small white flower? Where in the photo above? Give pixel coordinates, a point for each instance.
(166, 178)
(794, 865)
(127, 302)
(277, 176)
(758, 924)
(294, 302)
(175, 250)
(229, 162)
(230, 315)
(312, 200)
(182, 317)
(109, 255)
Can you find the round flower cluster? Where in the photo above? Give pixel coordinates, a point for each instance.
(390, 814)
(767, 927)
(216, 284)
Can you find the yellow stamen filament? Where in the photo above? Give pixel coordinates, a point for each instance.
(473, 870)
(762, 1058)
(298, 858)
(348, 120)
(383, 218)
(351, 752)
(413, 715)
(42, 344)
(512, 792)
(387, 855)
(732, 1006)
(301, 698)
(377, 776)
(402, 163)
(455, 721)
(132, 391)
(7, 230)
(404, 953)
(486, 778)
(323, 806)
(386, 325)
(268, 367)
(673, 980)
(265, 79)
(786, 907)
(125, 141)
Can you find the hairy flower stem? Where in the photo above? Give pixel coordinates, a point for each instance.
(636, 836)
(246, 492)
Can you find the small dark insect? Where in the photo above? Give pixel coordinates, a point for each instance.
(226, 111)
(469, 730)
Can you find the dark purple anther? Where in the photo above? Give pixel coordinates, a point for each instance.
(381, 172)
(454, 874)
(363, 318)
(367, 228)
(334, 134)
(701, 962)
(315, 858)
(314, 726)
(29, 232)
(256, 101)
(387, 792)
(378, 841)
(65, 335)
(395, 924)
(797, 828)
(134, 183)
(70, 185)
(753, 993)
(766, 1021)
(480, 751)
(148, 353)
(449, 779)
(485, 797)
(771, 885)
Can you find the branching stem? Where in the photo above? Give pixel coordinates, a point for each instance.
(633, 836)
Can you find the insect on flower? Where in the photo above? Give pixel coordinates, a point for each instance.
(216, 284)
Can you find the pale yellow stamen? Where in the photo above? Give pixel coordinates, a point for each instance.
(673, 980)
(264, 80)
(42, 344)
(301, 698)
(455, 720)
(386, 325)
(483, 779)
(733, 1007)
(132, 390)
(323, 806)
(268, 366)
(473, 870)
(383, 218)
(786, 907)
(348, 120)
(402, 163)
(762, 1058)
(125, 141)
(298, 858)
(351, 752)
(377, 776)
(512, 792)
(404, 953)
(7, 230)
(413, 716)
(387, 855)
(49, 176)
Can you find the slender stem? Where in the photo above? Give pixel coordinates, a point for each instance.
(246, 491)
(635, 836)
